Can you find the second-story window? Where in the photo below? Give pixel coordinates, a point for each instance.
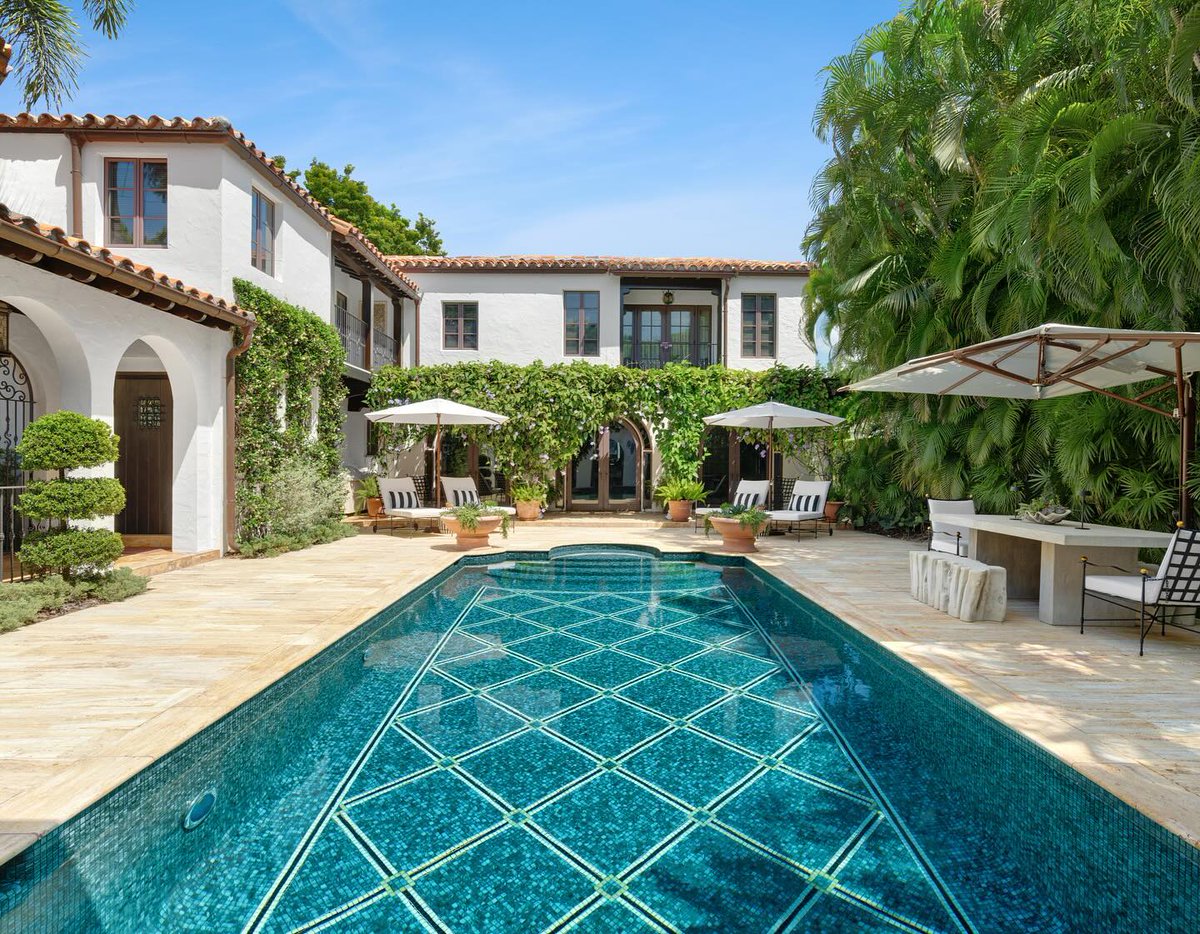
(460, 325)
(262, 233)
(758, 325)
(341, 307)
(581, 324)
(135, 202)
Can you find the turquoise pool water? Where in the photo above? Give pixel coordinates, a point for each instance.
(606, 741)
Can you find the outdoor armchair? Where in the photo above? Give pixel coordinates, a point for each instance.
(944, 534)
(1175, 585)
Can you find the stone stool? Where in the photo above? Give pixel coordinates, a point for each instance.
(967, 589)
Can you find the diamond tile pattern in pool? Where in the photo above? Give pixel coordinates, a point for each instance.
(574, 760)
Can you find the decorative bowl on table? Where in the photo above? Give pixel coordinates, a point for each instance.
(1052, 514)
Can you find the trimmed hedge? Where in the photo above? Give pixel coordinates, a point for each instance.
(72, 498)
(66, 440)
(71, 552)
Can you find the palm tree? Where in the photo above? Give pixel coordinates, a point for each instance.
(996, 166)
(46, 47)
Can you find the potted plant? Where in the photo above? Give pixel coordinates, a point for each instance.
(368, 497)
(529, 498)
(833, 506)
(472, 523)
(679, 494)
(738, 525)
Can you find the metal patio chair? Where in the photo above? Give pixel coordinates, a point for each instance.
(944, 534)
(1175, 586)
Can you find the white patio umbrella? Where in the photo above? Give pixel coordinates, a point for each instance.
(1056, 360)
(437, 412)
(770, 416)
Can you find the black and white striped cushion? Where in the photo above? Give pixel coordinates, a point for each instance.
(746, 499)
(392, 500)
(463, 497)
(804, 502)
(403, 499)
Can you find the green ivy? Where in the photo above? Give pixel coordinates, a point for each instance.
(293, 354)
(554, 409)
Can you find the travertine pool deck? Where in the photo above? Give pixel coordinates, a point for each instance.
(88, 699)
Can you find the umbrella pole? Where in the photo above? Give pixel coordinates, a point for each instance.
(437, 464)
(771, 462)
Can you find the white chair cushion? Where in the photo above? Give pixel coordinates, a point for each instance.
(1123, 586)
(792, 515)
(413, 513)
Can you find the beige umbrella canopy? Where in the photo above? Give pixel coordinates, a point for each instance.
(437, 412)
(1056, 360)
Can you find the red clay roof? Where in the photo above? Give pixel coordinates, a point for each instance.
(217, 126)
(694, 264)
(56, 235)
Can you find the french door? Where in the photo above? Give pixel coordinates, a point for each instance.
(607, 471)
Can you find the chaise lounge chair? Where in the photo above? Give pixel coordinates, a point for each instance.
(806, 505)
(749, 493)
(401, 501)
(944, 533)
(1175, 585)
(458, 491)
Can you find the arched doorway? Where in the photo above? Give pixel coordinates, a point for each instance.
(143, 418)
(16, 411)
(611, 470)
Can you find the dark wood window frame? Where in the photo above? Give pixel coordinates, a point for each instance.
(758, 342)
(456, 316)
(576, 311)
(139, 204)
(262, 226)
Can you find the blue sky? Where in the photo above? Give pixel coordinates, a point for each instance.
(652, 128)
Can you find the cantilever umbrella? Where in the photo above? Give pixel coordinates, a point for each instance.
(771, 416)
(1056, 360)
(437, 412)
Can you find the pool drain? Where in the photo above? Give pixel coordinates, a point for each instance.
(199, 809)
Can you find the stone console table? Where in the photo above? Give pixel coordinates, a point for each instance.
(969, 590)
(1043, 561)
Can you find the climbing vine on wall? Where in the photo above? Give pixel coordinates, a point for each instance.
(295, 359)
(554, 409)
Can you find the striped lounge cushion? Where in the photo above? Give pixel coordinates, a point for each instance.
(805, 502)
(746, 499)
(463, 497)
(403, 499)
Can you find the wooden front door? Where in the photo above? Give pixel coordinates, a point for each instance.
(142, 419)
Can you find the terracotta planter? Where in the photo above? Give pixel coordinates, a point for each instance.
(679, 510)
(831, 509)
(528, 509)
(375, 507)
(477, 537)
(735, 537)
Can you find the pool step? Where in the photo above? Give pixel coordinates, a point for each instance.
(604, 574)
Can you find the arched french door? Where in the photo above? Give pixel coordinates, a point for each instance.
(16, 411)
(611, 469)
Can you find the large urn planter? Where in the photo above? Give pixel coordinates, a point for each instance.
(679, 510)
(374, 506)
(832, 508)
(528, 509)
(735, 537)
(467, 539)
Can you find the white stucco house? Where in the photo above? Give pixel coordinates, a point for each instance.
(176, 200)
(621, 311)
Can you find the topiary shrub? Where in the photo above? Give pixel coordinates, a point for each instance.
(59, 442)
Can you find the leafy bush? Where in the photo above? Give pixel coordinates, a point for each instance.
(368, 488)
(66, 440)
(271, 545)
(71, 552)
(23, 603)
(63, 441)
(529, 493)
(72, 498)
(298, 505)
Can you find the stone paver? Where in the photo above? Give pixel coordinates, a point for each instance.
(90, 698)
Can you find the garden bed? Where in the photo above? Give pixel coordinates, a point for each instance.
(28, 602)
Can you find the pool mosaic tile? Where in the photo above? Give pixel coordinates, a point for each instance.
(610, 821)
(615, 759)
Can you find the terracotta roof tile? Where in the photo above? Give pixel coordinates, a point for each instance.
(59, 236)
(134, 123)
(695, 264)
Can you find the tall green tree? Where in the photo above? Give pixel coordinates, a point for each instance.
(349, 199)
(997, 166)
(47, 52)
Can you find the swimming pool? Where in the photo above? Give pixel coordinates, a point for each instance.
(606, 741)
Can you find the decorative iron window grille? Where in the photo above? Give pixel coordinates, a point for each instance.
(148, 413)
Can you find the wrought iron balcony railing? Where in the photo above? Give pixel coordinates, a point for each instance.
(353, 332)
(649, 355)
(384, 350)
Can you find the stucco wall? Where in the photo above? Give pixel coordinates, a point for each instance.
(71, 340)
(521, 315)
(35, 175)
